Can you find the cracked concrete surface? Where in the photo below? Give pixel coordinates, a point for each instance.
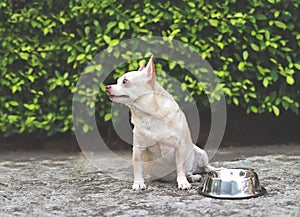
(56, 184)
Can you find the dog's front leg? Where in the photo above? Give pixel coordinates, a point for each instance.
(138, 169)
(182, 181)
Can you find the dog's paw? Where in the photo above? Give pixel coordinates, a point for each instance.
(138, 186)
(183, 184)
(194, 178)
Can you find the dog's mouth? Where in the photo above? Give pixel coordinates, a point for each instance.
(112, 97)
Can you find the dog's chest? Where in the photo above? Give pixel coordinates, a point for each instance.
(152, 130)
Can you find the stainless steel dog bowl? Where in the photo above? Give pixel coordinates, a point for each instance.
(232, 184)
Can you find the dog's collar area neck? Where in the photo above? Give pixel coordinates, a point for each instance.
(139, 113)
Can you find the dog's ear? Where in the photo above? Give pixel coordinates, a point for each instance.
(150, 70)
(142, 66)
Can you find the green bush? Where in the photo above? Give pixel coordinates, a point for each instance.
(253, 46)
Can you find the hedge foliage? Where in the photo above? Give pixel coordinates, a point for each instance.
(253, 46)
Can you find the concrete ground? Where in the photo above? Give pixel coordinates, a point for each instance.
(56, 184)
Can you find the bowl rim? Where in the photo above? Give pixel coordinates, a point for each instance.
(234, 168)
(208, 174)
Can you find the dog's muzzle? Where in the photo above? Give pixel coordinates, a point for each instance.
(111, 96)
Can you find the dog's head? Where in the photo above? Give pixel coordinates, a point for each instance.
(133, 84)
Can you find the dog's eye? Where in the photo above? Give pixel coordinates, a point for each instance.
(125, 81)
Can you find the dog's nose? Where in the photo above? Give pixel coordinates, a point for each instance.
(108, 88)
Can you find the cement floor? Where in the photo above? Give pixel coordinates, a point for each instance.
(56, 184)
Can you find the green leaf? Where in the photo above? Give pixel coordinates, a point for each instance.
(29, 106)
(35, 24)
(267, 34)
(261, 69)
(227, 91)
(297, 66)
(280, 24)
(286, 49)
(276, 110)
(285, 105)
(241, 66)
(183, 86)
(62, 20)
(29, 120)
(13, 103)
(80, 57)
(259, 36)
(12, 118)
(70, 59)
(45, 31)
(184, 39)
(220, 44)
(43, 55)
(213, 22)
(24, 56)
(191, 4)
(85, 128)
(30, 78)
(235, 101)
(14, 89)
(254, 47)
(175, 32)
(254, 109)
(290, 80)
(252, 95)
(261, 17)
(111, 25)
(172, 65)
(87, 30)
(67, 83)
(121, 25)
(114, 42)
(266, 82)
(106, 39)
(107, 117)
(245, 55)
(288, 99)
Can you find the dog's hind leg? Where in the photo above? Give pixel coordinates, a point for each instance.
(201, 161)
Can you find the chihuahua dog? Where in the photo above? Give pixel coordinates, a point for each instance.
(162, 143)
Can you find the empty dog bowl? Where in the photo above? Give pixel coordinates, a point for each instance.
(232, 184)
